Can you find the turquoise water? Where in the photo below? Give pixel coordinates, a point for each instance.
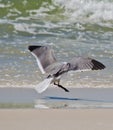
(72, 27)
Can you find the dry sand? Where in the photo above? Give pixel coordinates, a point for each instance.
(56, 119)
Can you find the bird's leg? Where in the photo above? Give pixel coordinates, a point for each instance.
(66, 90)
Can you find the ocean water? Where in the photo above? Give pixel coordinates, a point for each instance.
(71, 27)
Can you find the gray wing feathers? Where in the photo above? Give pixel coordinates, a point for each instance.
(47, 61)
(81, 63)
(44, 54)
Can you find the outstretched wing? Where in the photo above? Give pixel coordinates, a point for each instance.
(84, 64)
(44, 56)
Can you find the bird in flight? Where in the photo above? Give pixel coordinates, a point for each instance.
(49, 65)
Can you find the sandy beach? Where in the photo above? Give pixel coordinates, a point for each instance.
(52, 119)
(81, 109)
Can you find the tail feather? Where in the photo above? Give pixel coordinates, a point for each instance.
(43, 85)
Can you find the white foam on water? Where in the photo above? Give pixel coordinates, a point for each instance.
(91, 11)
(4, 5)
(23, 27)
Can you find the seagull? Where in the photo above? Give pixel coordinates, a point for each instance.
(49, 65)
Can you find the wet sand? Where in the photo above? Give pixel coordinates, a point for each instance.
(56, 119)
(77, 98)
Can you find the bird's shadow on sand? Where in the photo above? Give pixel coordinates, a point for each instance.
(61, 98)
(75, 99)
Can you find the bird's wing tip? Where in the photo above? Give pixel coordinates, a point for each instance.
(33, 47)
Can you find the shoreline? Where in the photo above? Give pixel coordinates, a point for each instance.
(77, 98)
(62, 119)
